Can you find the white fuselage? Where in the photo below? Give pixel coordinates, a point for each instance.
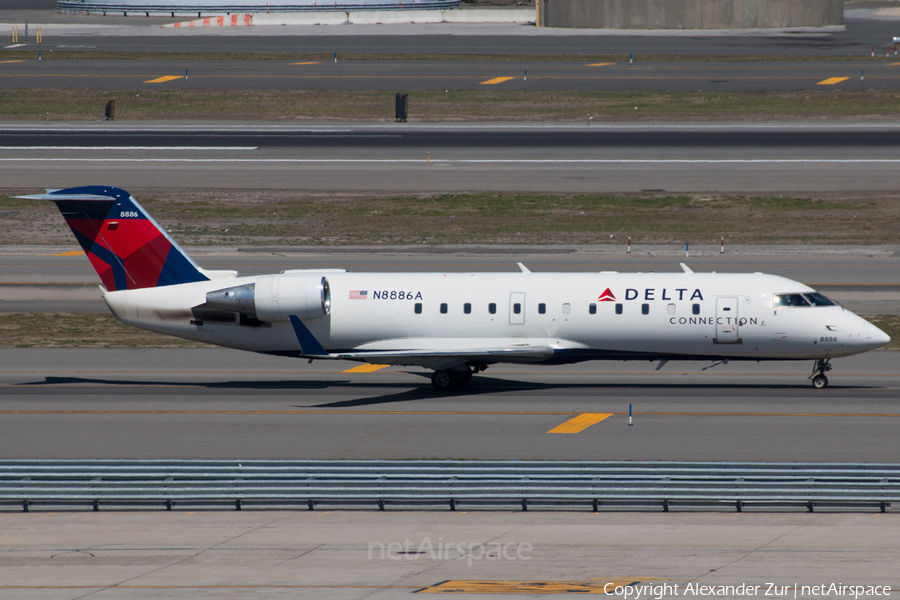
(581, 316)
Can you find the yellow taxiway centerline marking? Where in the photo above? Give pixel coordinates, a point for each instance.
(70, 253)
(496, 80)
(580, 423)
(832, 80)
(164, 79)
(306, 63)
(366, 368)
(599, 64)
(6, 62)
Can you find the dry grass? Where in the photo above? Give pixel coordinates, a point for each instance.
(40, 330)
(453, 105)
(289, 218)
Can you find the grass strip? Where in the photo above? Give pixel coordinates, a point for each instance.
(304, 218)
(44, 330)
(40, 330)
(181, 55)
(451, 105)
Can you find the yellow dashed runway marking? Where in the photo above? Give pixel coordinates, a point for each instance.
(306, 63)
(496, 80)
(525, 587)
(164, 79)
(6, 62)
(599, 64)
(367, 368)
(580, 423)
(70, 253)
(832, 80)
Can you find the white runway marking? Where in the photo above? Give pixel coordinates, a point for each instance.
(191, 148)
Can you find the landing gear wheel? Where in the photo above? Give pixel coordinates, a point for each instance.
(820, 382)
(463, 377)
(822, 366)
(442, 380)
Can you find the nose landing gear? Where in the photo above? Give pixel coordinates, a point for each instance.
(822, 366)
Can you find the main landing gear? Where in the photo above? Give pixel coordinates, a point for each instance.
(822, 366)
(448, 379)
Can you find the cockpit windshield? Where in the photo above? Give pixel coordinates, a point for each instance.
(813, 299)
(817, 299)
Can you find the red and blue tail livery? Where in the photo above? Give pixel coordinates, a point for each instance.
(126, 246)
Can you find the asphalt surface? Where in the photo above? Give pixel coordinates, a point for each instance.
(216, 403)
(411, 76)
(695, 157)
(865, 281)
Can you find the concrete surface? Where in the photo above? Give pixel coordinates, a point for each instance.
(337, 554)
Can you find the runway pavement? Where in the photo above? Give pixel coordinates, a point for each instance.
(412, 76)
(695, 157)
(216, 403)
(36, 279)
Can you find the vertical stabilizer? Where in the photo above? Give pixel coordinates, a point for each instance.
(127, 247)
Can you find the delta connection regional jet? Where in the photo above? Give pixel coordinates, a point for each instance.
(456, 324)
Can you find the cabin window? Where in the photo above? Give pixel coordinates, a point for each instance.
(517, 308)
(443, 308)
(618, 309)
(645, 309)
(592, 308)
(696, 309)
(467, 308)
(670, 309)
(567, 309)
(492, 308)
(790, 300)
(817, 299)
(418, 308)
(542, 308)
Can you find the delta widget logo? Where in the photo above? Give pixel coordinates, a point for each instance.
(606, 296)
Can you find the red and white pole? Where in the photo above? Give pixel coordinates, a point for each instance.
(628, 249)
(722, 248)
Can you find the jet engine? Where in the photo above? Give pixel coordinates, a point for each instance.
(275, 297)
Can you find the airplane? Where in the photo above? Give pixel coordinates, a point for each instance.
(456, 324)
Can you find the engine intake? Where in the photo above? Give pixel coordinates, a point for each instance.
(276, 297)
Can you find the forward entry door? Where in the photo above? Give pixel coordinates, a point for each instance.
(727, 321)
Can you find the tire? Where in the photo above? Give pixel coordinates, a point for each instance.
(463, 377)
(820, 382)
(443, 380)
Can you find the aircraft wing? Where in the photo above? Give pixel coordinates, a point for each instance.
(432, 354)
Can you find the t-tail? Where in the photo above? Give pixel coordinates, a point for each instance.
(127, 247)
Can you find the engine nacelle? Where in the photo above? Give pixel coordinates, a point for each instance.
(276, 297)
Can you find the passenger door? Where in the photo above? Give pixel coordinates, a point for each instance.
(727, 321)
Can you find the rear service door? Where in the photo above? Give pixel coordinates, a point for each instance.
(727, 321)
(517, 308)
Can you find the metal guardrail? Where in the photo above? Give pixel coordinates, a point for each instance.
(450, 483)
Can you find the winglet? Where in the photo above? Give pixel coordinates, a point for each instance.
(687, 269)
(525, 270)
(309, 345)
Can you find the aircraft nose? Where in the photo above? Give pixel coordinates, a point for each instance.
(876, 337)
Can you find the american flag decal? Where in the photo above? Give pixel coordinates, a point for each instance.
(358, 294)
